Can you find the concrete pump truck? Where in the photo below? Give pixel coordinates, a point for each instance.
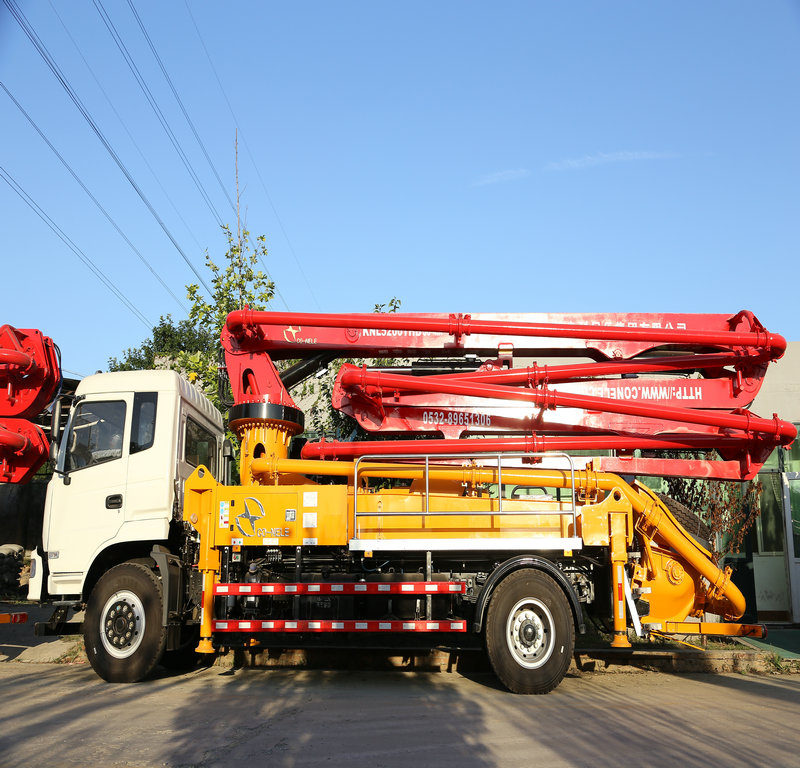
(509, 513)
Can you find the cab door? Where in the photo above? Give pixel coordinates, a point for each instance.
(86, 497)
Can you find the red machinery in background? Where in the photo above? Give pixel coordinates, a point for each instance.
(29, 378)
(654, 382)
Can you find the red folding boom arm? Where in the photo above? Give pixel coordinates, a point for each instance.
(654, 382)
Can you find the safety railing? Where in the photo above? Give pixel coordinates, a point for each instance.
(491, 462)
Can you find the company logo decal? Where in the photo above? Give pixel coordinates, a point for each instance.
(251, 521)
(253, 513)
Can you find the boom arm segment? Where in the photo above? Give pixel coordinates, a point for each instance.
(707, 369)
(610, 335)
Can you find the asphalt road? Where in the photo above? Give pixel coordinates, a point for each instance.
(64, 715)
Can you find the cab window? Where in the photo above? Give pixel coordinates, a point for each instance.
(95, 434)
(201, 447)
(143, 429)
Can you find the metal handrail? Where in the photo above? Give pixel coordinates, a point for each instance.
(471, 456)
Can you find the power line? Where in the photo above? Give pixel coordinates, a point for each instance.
(198, 138)
(74, 373)
(180, 103)
(151, 99)
(156, 109)
(125, 127)
(74, 248)
(93, 198)
(197, 135)
(48, 59)
(252, 159)
(276, 290)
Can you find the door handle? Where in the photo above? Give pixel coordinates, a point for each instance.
(114, 501)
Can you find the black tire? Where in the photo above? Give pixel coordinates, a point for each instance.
(123, 629)
(530, 632)
(691, 522)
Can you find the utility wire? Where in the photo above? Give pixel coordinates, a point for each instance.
(197, 137)
(125, 127)
(115, 34)
(276, 290)
(94, 199)
(252, 159)
(156, 109)
(188, 120)
(74, 248)
(180, 103)
(48, 59)
(74, 373)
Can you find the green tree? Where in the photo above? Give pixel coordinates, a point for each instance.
(192, 346)
(236, 284)
(162, 349)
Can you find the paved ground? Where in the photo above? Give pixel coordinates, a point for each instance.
(64, 715)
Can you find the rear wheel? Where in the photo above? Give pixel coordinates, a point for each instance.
(123, 630)
(530, 634)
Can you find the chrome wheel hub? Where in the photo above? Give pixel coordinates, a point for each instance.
(529, 632)
(122, 627)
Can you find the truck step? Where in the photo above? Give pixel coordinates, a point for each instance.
(297, 625)
(352, 588)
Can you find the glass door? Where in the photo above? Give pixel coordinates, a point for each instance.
(792, 518)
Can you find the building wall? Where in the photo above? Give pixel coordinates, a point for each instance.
(780, 392)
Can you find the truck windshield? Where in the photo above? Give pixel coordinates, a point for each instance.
(95, 434)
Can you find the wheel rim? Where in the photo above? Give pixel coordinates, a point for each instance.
(529, 633)
(123, 623)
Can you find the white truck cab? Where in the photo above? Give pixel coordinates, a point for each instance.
(131, 441)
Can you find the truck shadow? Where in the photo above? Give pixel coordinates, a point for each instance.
(309, 717)
(217, 716)
(288, 717)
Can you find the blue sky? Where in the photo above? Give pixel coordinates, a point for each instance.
(462, 156)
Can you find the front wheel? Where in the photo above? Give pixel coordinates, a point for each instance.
(123, 630)
(530, 634)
